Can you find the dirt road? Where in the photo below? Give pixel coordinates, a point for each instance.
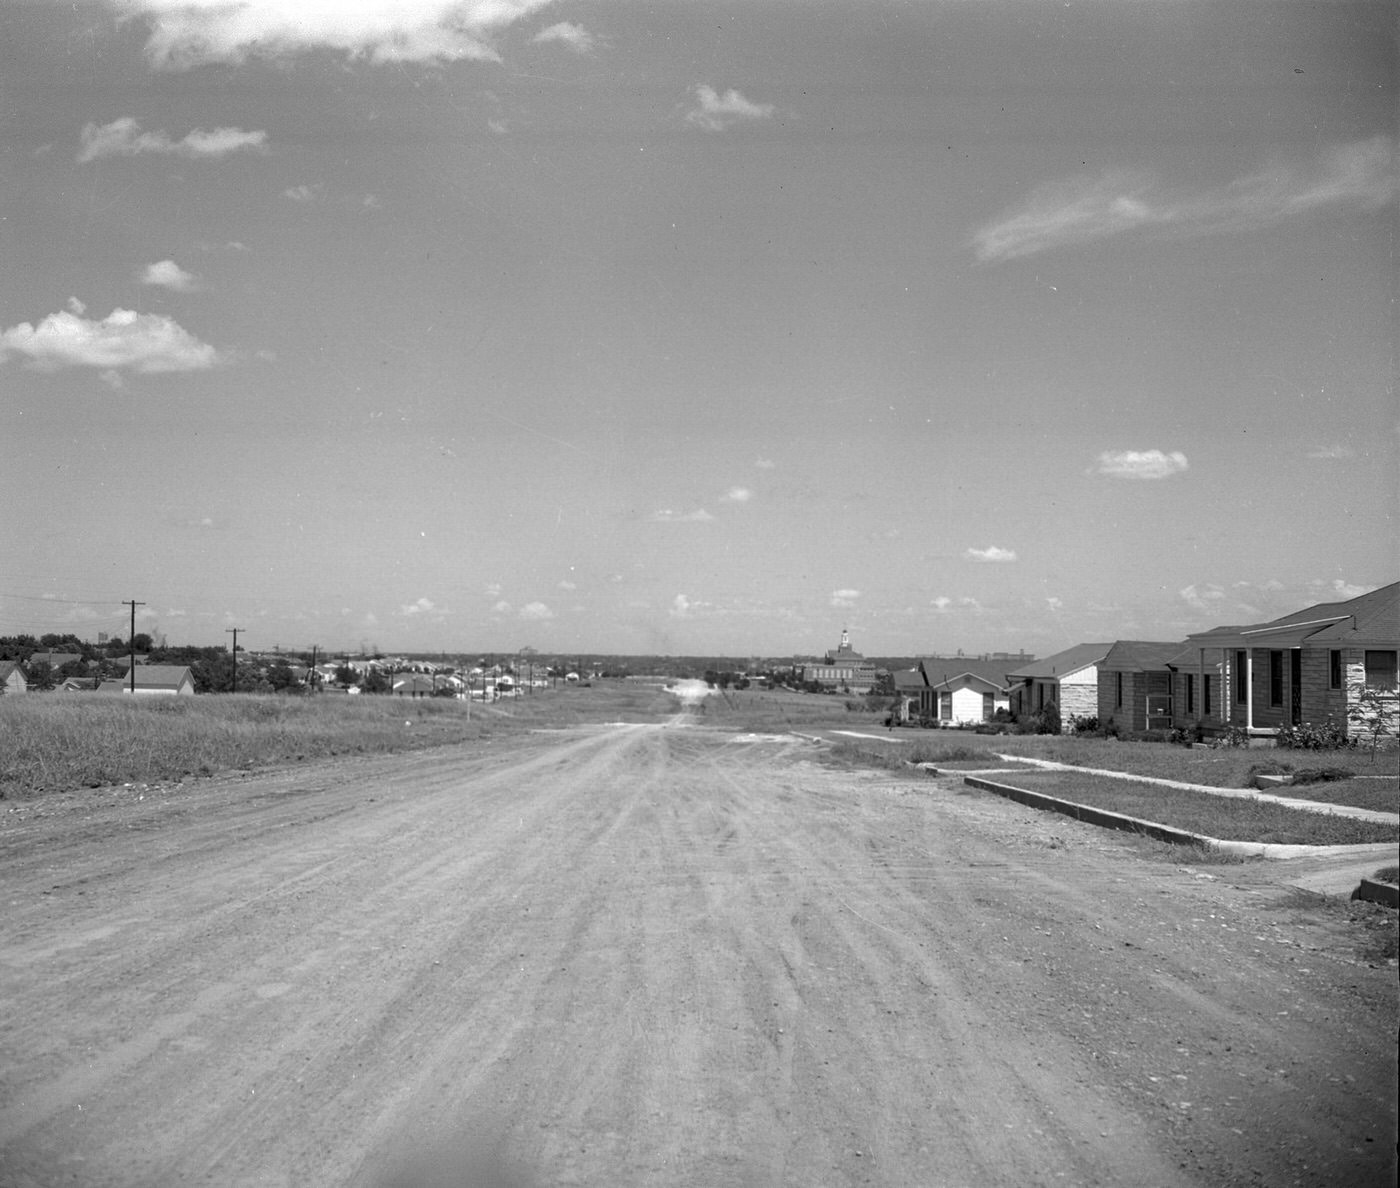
(662, 955)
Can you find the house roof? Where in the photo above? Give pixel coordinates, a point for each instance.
(907, 679)
(1062, 664)
(54, 659)
(1141, 655)
(7, 667)
(151, 676)
(1371, 618)
(940, 671)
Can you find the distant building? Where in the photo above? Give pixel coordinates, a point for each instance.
(844, 668)
(12, 677)
(169, 680)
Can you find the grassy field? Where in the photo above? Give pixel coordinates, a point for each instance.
(54, 743)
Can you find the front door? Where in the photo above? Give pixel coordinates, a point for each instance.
(1295, 686)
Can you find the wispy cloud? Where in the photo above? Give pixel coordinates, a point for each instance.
(576, 37)
(1141, 464)
(141, 342)
(844, 598)
(666, 516)
(738, 495)
(536, 612)
(1087, 208)
(680, 607)
(1203, 597)
(1331, 452)
(185, 33)
(302, 193)
(168, 275)
(715, 112)
(124, 138)
(945, 605)
(990, 553)
(423, 606)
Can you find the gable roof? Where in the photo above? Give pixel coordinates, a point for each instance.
(151, 676)
(1141, 655)
(907, 679)
(1062, 664)
(1371, 618)
(9, 667)
(54, 659)
(941, 672)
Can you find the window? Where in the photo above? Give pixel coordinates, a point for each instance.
(1190, 692)
(1275, 678)
(1380, 670)
(1118, 690)
(1334, 669)
(1241, 686)
(1205, 695)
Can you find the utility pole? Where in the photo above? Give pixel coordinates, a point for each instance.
(234, 632)
(131, 642)
(311, 676)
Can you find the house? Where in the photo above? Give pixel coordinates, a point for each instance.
(1325, 661)
(12, 678)
(958, 691)
(843, 668)
(415, 684)
(77, 685)
(908, 690)
(56, 660)
(1068, 680)
(156, 680)
(1134, 684)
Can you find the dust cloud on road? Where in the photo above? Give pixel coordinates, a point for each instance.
(662, 955)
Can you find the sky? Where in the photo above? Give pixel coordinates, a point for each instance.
(694, 328)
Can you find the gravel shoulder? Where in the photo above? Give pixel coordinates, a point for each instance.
(665, 955)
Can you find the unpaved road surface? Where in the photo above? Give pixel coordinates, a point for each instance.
(663, 955)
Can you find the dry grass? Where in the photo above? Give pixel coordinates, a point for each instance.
(54, 743)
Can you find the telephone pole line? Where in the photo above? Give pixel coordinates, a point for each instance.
(131, 642)
(234, 632)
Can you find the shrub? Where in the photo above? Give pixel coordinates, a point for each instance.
(1084, 724)
(1329, 736)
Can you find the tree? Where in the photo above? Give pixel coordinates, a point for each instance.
(40, 676)
(1374, 710)
(141, 642)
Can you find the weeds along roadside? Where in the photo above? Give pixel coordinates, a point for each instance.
(51, 743)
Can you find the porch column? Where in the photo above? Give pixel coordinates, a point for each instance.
(1249, 689)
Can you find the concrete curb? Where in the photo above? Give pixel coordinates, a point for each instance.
(1376, 892)
(1167, 833)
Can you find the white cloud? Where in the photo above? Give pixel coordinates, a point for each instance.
(124, 138)
(680, 607)
(1141, 464)
(576, 37)
(568, 585)
(536, 612)
(990, 553)
(144, 343)
(502, 607)
(169, 275)
(422, 607)
(76, 306)
(715, 112)
(1332, 453)
(766, 464)
(844, 598)
(1080, 210)
(1202, 597)
(666, 516)
(738, 495)
(302, 193)
(185, 33)
(1345, 591)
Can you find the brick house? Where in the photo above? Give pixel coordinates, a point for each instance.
(1068, 679)
(1135, 682)
(1309, 666)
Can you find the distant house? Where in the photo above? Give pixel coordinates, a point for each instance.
(908, 690)
(843, 668)
(12, 678)
(1135, 683)
(1068, 680)
(77, 685)
(169, 680)
(1314, 664)
(958, 691)
(416, 684)
(55, 660)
